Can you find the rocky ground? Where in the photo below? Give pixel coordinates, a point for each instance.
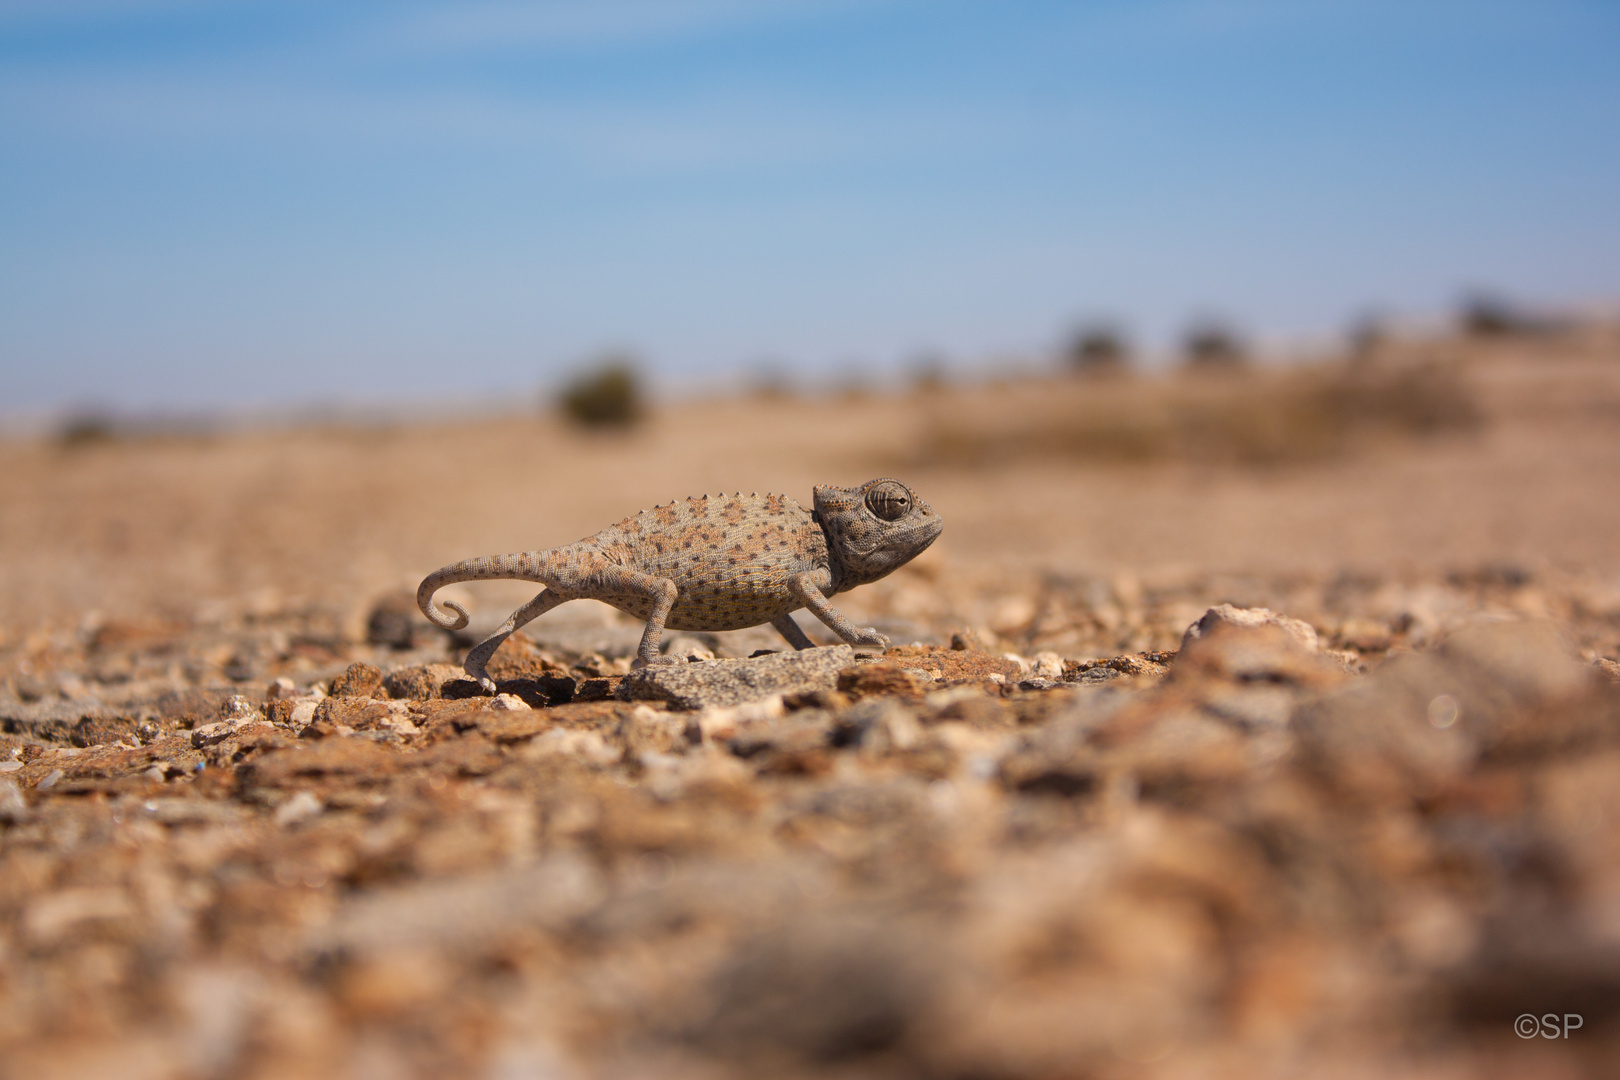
(1175, 817)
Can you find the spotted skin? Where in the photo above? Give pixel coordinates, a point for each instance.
(716, 562)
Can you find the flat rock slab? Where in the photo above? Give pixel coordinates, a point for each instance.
(718, 683)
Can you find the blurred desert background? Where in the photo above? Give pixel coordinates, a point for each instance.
(1256, 715)
(1468, 456)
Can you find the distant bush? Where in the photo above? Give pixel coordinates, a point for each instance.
(1099, 350)
(1488, 316)
(1491, 316)
(1212, 346)
(927, 373)
(85, 429)
(772, 382)
(1368, 335)
(608, 396)
(1263, 418)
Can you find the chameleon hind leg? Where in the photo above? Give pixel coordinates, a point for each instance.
(791, 630)
(544, 601)
(662, 592)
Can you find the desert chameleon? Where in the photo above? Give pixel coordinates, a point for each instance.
(719, 562)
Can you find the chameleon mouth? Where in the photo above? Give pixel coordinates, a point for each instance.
(924, 532)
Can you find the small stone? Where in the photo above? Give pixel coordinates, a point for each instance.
(57, 916)
(1047, 665)
(1014, 658)
(722, 723)
(192, 811)
(509, 703)
(732, 682)
(1228, 615)
(968, 640)
(360, 680)
(13, 807)
(511, 725)
(1364, 635)
(1251, 708)
(393, 622)
(213, 734)
(1012, 614)
(605, 688)
(689, 649)
(49, 780)
(338, 715)
(877, 727)
(300, 808)
(279, 689)
(1254, 645)
(237, 707)
(831, 700)
(198, 704)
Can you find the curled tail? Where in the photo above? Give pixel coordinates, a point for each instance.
(520, 566)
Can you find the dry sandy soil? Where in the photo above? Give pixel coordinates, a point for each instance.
(1362, 845)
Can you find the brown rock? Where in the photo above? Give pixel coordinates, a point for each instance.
(198, 704)
(602, 688)
(97, 730)
(393, 622)
(504, 726)
(349, 711)
(1226, 615)
(360, 680)
(354, 758)
(968, 640)
(815, 699)
(1148, 664)
(1253, 645)
(953, 664)
(882, 679)
(423, 682)
(1364, 635)
(280, 711)
(1422, 720)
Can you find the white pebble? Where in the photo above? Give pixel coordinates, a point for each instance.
(300, 808)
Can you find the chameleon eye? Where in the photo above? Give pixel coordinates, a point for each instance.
(889, 500)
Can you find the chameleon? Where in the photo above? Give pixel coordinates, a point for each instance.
(716, 562)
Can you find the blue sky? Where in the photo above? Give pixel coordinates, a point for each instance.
(212, 205)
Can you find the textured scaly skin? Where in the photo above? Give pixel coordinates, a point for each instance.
(718, 562)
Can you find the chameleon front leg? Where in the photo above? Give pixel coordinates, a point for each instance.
(544, 601)
(808, 591)
(792, 631)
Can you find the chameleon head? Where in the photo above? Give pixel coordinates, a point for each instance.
(875, 528)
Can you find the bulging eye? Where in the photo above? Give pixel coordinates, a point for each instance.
(889, 500)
